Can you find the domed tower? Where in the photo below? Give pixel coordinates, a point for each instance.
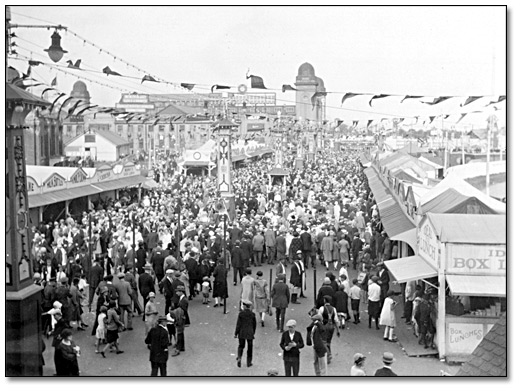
(306, 84)
(80, 91)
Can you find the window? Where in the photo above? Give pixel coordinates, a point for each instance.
(90, 138)
(119, 129)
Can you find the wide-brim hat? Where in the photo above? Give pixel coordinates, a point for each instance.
(358, 358)
(388, 358)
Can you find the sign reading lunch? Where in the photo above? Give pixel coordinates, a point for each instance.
(428, 245)
(476, 259)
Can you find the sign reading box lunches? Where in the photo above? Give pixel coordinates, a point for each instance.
(476, 259)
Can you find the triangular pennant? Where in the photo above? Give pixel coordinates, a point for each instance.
(56, 100)
(76, 65)
(54, 81)
(348, 95)
(47, 89)
(378, 97)
(462, 115)
(84, 109)
(62, 105)
(109, 71)
(369, 122)
(73, 108)
(219, 87)
(256, 82)
(288, 87)
(500, 99)
(470, 99)
(446, 116)
(432, 118)
(355, 123)
(437, 100)
(188, 86)
(148, 78)
(316, 96)
(34, 63)
(410, 97)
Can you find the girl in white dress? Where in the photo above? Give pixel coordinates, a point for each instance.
(388, 316)
(102, 328)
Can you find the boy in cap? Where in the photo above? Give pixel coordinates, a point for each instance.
(291, 343)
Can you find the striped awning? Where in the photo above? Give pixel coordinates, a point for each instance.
(393, 217)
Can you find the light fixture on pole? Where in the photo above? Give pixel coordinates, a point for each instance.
(55, 51)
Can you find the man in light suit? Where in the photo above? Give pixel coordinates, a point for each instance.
(291, 343)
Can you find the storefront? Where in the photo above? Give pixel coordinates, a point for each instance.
(55, 192)
(467, 254)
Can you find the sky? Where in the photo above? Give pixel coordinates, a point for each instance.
(418, 50)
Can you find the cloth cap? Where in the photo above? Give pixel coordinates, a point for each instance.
(169, 271)
(387, 358)
(247, 302)
(121, 275)
(291, 323)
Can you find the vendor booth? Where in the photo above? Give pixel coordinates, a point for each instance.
(467, 254)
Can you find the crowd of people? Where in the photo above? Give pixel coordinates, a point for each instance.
(174, 241)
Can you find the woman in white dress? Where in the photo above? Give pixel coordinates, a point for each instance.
(387, 318)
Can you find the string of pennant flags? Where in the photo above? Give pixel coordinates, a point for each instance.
(256, 82)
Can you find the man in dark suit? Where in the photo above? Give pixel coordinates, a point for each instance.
(141, 255)
(191, 265)
(281, 247)
(306, 240)
(157, 341)
(168, 289)
(245, 331)
(237, 264)
(385, 371)
(183, 302)
(384, 281)
(146, 285)
(95, 277)
(247, 251)
(296, 280)
(280, 295)
(291, 343)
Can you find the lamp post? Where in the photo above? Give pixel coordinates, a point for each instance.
(23, 327)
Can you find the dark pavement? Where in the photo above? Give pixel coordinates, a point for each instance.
(211, 348)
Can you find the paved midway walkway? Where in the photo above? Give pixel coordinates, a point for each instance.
(211, 348)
